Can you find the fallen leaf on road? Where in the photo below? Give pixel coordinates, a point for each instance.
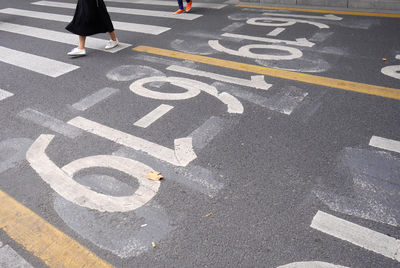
(154, 176)
(208, 215)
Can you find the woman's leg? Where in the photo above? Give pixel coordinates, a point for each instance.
(112, 36)
(80, 50)
(113, 42)
(189, 5)
(180, 4)
(82, 40)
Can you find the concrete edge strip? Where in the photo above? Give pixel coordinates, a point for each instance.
(341, 12)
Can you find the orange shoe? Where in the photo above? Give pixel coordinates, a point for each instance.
(189, 6)
(179, 11)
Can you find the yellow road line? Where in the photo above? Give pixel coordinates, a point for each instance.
(43, 240)
(341, 12)
(306, 78)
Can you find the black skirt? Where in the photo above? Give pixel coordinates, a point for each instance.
(91, 17)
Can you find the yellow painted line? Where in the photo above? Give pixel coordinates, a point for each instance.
(306, 78)
(341, 12)
(43, 240)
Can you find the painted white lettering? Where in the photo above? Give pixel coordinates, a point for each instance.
(193, 88)
(244, 51)
(267, 21)
(303, 42)
(256, 81)
(179, 156)
(61, 181)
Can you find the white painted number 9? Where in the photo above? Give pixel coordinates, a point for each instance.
(188, 84)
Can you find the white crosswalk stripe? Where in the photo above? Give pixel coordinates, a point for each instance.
(129, 11)
(66, 38)
(168, 3)
(35, 63)
(123, 26)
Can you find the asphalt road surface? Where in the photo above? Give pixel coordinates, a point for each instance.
(277, 132)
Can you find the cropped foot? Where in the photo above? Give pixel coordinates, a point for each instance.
(179, 11)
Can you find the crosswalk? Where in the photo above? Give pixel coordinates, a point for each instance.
(31, 61)
(121, 10)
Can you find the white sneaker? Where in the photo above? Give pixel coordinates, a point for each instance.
(77, 52)
(111, 44)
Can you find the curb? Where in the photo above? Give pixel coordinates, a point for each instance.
(368, 5)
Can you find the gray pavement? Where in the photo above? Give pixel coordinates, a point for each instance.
(277, 133)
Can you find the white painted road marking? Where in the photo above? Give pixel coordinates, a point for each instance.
(204, 134)
(5, 94)
(245, 51)
(276, 31)
(392, 71)
(61, 180)
(324, 17)
(36, 14)
(129, 11)
(232, 27)
(65, 38)
(167, 3)
(153, 116)
(386, 144)
(138, 88)
(256, 81)
(123, 26)
(285, 101)
(194, 177)
(266, 21)
(51, 123)
(35, 63)
(181, 156)
(357, 235)
(303, 42)
(95, 98)
(193, 88)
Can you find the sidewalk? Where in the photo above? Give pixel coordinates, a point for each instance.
(388, 5)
